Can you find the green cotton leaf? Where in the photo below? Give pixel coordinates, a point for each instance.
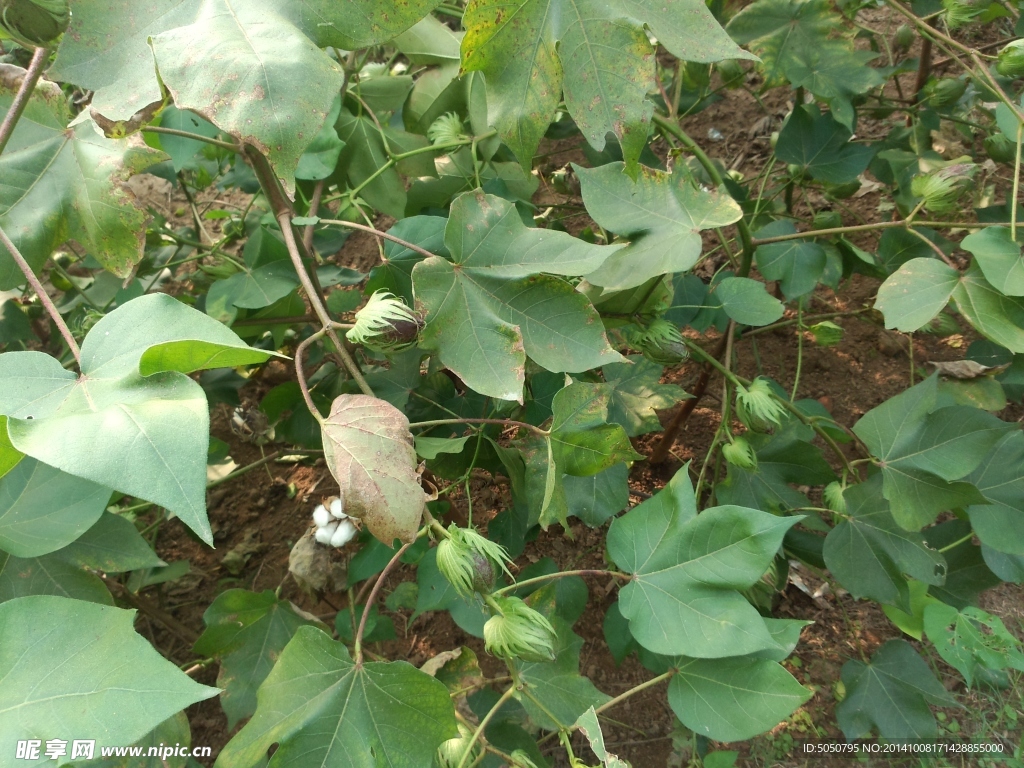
(112, 545)
(891, 695)
(999, 258)
(174, 730)
(911, 623)
(254, 288)
(65, 183)
(556, 694)
(582, 443)
(49, 575)
(156, 333)
(113, 685)
(321, 156)
(106, 50)
(821, 146)
(636, 393)
(1000, 478)
(733, 699)
(688, 570)
(594, 499)
(596, 56)
(869, 553)
(395, 274)
(798, 45)
(365, 160)
(10, 456)
(915, 293)
(923, 448)
(181, 150)
(661, 213)
(970, 639)
(798, 265)
(747, 301)
(590, 727)
(430, 447)
(967, 575)
(428, 41)
(997, 317)
(369, 451)
(267, 84)
(43, 509)
(247, 631)
(488, 307)
(897, 246)
(783, 460)
(319, 707)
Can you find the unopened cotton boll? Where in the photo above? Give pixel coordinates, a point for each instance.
(337, 509)
(321, 516)
(325, 533)
(344, 533)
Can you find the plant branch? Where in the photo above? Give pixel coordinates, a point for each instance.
(562, 574)
(314, 206)
(300, 374)
(24, 94)
(358, 648)
(193, 136)
(870, 227)
(380, 235)
(44, 297)
(154, 612)
(508, 694)
(501, 422)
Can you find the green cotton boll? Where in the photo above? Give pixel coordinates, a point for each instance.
(35, 22)
(826, 334)
(1011, 60)
(941, 189)
(942, 325)
(731, 72)
(519, 759)
(517, 631)
(385, 324)
(470, 561)
(904, 38)
(833, 497)
(842, 191)
(740, 454)
(960, 12)
(757, 407)
(446, 129)
(661, 343)
(1000, 148)
(945, 92)
(452, 752)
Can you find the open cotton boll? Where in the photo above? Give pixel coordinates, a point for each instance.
(325, 533)
(321, 516)
(344, 533)
(336, 509)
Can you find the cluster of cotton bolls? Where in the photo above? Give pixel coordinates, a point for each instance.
(333, 527)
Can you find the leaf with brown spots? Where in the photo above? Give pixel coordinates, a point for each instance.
(369, 450)
(594, 51)
(488, 307)
(60, 183)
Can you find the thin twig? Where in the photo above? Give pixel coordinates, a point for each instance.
(358, 649)
(47, 302)
(314, 206)
(300, 374)
(24, 94)
(500, 422)
(193, 136)
(377, 233)
(154, 612)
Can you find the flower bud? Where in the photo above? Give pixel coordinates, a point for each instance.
(731, 72)
(833, 497)
(517, 631)
(826, 334)
(842, 191)
(940, 189)
(740, 454)
(1011, 59)
(827, 220)
(446, 129)
(470, 561)
(1000, 148)
(660, 343)
(757, 407)
(451, 753)
(945, 92)
(34, 23)
(385, 324)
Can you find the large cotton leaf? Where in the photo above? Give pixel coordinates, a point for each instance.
(1000, 477)
(488, 307)
(916, 292)
(995, 316)
(102, 679)
(870, 555)
(370, 452)
(821, 146)
(661, 213)
(106, 49)
(891, 694)
(636, 393)
(59, 183)
(144, 435)
(733, 699)
(923, 450)
(596, 53)
(320, 708)
(247, 631)
(688, 569)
